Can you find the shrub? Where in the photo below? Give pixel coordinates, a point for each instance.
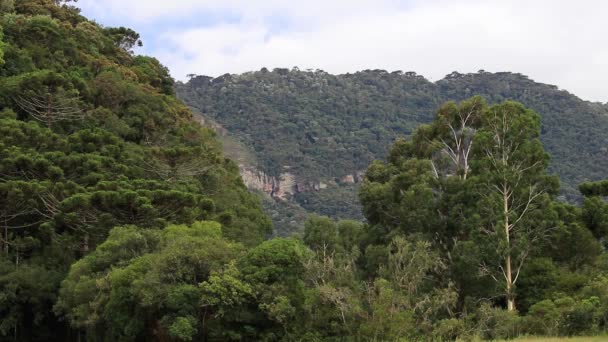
(449, 330)
(544, 318)
(495, 323)
(582, 318)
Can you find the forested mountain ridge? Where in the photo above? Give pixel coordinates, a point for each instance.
(92, 138)
(122, 220)
(320, 131)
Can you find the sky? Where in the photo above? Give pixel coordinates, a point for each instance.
(558, 42)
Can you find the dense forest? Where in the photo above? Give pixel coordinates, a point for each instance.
(325, 127)
(92, 138)
(122, 220)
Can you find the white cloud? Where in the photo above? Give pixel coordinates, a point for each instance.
(553, 41)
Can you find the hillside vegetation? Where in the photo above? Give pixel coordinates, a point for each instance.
(92, 137)
(122, 220)
(324, 127)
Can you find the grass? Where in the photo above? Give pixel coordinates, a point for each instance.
(562, 339)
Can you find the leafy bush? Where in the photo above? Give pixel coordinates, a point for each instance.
(449, 330)
(581, 318)
(544, 318)
(496, 323)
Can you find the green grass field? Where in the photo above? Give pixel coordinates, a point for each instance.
(562, 339)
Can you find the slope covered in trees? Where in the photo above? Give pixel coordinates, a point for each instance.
(92, 137)
(465, 241)
(326, 127)
(121, 220)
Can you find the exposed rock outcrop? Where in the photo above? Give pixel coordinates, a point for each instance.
(282, 187)
(354, 178)
(258, 180)
(286, 185)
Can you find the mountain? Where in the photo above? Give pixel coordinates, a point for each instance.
(312, 134)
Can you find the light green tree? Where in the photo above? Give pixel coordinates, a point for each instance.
(150, 283)
(515, 190)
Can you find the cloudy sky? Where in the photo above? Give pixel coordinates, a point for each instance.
(553, 41)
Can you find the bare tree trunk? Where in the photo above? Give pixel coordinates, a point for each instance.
(510, 297)
(508, 271)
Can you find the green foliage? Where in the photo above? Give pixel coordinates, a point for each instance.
(287, 217)
(595, 209)
(121, 220)
(474, 185)
(573, 242)
(139, 274)
(2, 5)
(320, 233)
(595, 188)
(405, 304)
(544, 318)
(450, 330)
(568, 316)
(124, 38)
(183, 328)
(432, 251)
(495, 323)
(349, 233)
(324, 127)
(7, 6)
(335, 201)
(91, 137)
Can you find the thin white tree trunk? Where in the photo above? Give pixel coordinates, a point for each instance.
(508, 271)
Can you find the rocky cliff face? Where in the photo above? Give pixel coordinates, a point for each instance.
(289, 198)
(283, 187)
(354, 178)
(258, 180)
(287, 185)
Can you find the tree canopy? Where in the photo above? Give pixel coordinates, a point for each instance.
(325, 128)
(122, 220)
(93, 138)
